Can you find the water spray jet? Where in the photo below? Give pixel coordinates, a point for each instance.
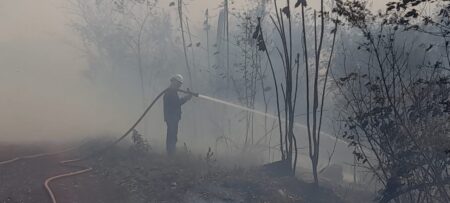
(260, 113)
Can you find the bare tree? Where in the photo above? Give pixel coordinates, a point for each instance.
(207, 27)
(314, 125)
(289, 88)
(227, 31)
(180, 17)
(288, 141)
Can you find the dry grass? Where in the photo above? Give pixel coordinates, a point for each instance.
(152, 177)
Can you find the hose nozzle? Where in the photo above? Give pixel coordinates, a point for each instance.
(189, 92)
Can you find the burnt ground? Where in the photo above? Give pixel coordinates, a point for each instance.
(23, 180)
(128, 175)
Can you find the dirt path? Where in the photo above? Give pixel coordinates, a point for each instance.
(22, 181)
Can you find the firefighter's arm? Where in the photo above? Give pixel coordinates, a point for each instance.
(186, 98)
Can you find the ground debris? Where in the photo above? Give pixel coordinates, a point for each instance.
(186, 178)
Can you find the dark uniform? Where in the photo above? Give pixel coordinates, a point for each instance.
(172, 115)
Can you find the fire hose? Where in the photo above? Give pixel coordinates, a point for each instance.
(92, 155)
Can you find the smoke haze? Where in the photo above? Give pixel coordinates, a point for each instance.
(44, 93)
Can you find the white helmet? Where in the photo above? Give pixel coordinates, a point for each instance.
(178, 78)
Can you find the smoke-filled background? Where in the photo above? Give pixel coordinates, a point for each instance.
(74, 70)
(71, 69)
(44, 91)
(44, 95)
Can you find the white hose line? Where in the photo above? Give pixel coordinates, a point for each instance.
(47, 182)
(10, 161)
(36, 156)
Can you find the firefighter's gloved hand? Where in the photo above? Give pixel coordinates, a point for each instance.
(189, 96)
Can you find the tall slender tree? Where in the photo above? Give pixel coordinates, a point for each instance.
(314, 124)
(180, 16)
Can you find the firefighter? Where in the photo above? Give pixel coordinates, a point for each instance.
(172, 111)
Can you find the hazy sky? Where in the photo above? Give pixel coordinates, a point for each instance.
(39, 71)
(42, 91)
